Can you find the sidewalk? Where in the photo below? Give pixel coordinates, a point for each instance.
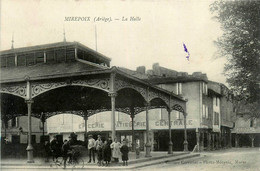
(133, 163)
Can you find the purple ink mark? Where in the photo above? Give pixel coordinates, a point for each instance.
(186, 50)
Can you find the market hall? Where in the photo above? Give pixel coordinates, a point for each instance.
(68, 77)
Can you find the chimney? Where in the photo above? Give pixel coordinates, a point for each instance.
(140, 69)
(196, 74)
(156, 69)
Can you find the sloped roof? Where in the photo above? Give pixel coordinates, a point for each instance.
(41, 71)
(51, 46)
(165, 80)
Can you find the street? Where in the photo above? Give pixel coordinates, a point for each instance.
(237, 159)
(230, 159)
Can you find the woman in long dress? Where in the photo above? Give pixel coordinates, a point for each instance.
(115, 146)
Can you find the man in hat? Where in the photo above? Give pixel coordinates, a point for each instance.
(55, 148)
(91, 148)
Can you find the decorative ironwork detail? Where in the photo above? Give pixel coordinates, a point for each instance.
(92, 112)
(178, 108)
(39, 88)
(19, 90)
(124, 110)
(156, 94)
(120, 84)
(139, 110)
(102, 84)
(50, 114)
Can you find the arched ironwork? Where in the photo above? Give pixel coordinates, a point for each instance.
(156, 94)
(39, 88)
(16, 90)
(178, 108)
(121, 84)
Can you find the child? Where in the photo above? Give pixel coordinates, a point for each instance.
(106, 152)
(124, 150)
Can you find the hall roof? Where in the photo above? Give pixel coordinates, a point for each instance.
(74, 68)
(45, 71)
(51, 46)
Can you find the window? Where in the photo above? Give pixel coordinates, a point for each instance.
(203, 111)
(216, 100)
(21, 60)
(207, 112)
(60, 56)
(49, 57)
(30, 60)
(3, 62)
(251, 122)
(70, 55)
(216, 118)
(39, 58)
(204, 88)
(10, 61)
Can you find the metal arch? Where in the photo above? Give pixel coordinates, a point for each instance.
(178, 108)
(166, 104)
(19, 91)
(156, 94)
(122, 84)
(40, 88)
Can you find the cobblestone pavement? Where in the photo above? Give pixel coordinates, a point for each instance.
(238, 159)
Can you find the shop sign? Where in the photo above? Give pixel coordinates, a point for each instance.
(120, 125)
(178, 122)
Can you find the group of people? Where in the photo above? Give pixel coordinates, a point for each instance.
(107, 149)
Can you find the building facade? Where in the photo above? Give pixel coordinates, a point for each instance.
(209, 114)
(15, 131)
(246, 132)
(210, 106)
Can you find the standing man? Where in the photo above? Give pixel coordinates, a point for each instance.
(55, 149)
(99, 146)
(91, 148)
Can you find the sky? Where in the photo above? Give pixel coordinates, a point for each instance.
(157, 36)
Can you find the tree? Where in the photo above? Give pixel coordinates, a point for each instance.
(240, 44)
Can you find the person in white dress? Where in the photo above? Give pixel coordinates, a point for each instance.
(115, 146)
